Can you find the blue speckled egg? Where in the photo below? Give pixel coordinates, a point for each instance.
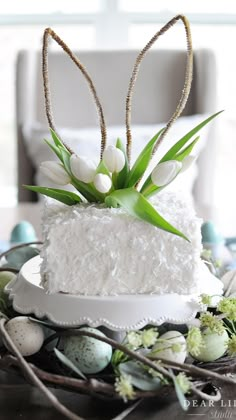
(87, 353)
(210, 234)
(23, 232)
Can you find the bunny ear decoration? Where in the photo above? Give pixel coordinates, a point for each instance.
(185, 91)
(48, 106)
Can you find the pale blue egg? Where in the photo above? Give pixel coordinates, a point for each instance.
(88, 354)
(210, 234)
(18, 257)
(23, 232)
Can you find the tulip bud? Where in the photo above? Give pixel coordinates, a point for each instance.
(102, 183)
(55, 172)
(165, 172)
(114, 159)
(187, 162)
(83, 169)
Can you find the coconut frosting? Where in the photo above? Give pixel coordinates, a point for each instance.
(94, 250)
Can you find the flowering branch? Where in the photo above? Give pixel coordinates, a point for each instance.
(193, 370)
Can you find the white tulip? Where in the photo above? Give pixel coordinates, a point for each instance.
(114, 159)
(187, 162)
(165, 172)
(83, 169)
(55, 172)
(102, 183)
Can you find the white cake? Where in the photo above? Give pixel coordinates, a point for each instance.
(94, 250)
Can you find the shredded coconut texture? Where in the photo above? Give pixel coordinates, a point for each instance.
(93, 250)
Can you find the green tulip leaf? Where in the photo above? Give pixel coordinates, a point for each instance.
(66, 197)
(179, 393)
(88, 191)
(139, 377)
(186, 151)
(150, 189)
(181, 143)
(174, 150)
(67, 362)
(121, 177)
(142, 162)
(137, 205)
(65, 158)
(55, 149)
(56, 139)
(102, 169)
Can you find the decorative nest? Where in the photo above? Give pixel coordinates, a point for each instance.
(44, 369)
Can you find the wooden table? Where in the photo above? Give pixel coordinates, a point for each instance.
(21, 401)
(27, 403)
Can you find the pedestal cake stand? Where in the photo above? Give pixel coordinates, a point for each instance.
(117, 313)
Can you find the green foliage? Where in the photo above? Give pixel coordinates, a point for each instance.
(123, 192)
(179, 393)
(56, 139)
(177, 152)
(122, 176)
(139, 377)
(63, 196)
(186, 151)
(137, 205)
(172, 152)
(142, 162)
(67, 362)
(54, 149)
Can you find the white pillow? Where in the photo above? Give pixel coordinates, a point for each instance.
(86, 142)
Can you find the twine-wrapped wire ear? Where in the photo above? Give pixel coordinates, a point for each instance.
(48, 106)
(186, 88)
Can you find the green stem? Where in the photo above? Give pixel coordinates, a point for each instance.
(233, 326)
(114, 180)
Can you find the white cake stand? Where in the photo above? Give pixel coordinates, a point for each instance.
(117, 313)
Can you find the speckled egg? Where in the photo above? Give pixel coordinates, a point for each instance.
(23, 232)
(214, 346)
(25, 334)
(163, 348)
(87, 353)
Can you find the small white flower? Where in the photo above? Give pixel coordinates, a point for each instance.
(83, 169)
(55, 172)
(183, 382)
(114, 159)
(134, 339)
(102, 183)
(149, 337)
(187, 162)
(124, 388)
(165, 172)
